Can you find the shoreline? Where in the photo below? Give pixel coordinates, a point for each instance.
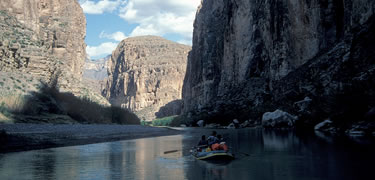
(25, 137)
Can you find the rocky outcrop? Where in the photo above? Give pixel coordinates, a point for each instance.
(145, 74)
(278, 119)
(251, 57)
(56, 27)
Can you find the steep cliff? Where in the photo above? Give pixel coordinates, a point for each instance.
(146, 73)
(249, 57)
(56, 26)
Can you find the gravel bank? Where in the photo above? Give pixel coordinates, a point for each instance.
(21, 137)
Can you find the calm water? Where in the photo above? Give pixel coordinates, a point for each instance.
(272, 155)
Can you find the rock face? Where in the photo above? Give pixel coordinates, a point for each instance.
(251, 57)
(145, 74)
(20, 52)
(96, 69)
(56, 28)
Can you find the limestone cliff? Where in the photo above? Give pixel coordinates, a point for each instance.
(146, 73)
(249, 57)
(59, 26)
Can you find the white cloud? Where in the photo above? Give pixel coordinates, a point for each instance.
(155, 17)
(92, 7)
(185, 41)
(117, 36)
(101, 50)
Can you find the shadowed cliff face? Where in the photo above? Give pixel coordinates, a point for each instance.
(56, 26)
(245, 52)
(146, 73)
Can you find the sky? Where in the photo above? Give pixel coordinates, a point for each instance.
(111, 21)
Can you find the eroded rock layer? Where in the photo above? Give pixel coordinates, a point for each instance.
(56, 26)
(145, 74)
(250, 57)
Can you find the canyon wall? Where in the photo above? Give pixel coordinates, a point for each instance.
(56, 28)
(145, 74)
(245, 53)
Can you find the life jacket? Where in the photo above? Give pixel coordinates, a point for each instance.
(221, 146)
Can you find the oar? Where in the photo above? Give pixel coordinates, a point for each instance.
(171, 151)
(176, 150)
(241, 152)
(244, 153)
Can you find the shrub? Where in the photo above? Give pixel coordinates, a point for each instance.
(146, 123)
(83, 110)
(166, 121)
(12, 103)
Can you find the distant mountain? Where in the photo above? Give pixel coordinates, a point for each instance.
(96, 69)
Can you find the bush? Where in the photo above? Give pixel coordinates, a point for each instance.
(146, 123)
(12, 103)
(166, 121)
(48, 100)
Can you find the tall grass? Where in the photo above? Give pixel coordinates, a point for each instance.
(49, 101)
(12, 103)
(83, 110)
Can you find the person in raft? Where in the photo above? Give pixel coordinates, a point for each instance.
(203, 143)
(219, 145)
(212, 139)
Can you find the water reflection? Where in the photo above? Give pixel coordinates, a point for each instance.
(259, 154)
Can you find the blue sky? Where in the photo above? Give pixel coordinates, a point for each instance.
(110, 21)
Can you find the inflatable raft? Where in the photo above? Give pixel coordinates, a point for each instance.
(213, 155)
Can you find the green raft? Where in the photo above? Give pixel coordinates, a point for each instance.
(213, 155)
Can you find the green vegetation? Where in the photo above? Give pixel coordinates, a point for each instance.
(16, 87)
(168, 121)
(146, 123)
(50, 101)
(1, 83)
(51, 106)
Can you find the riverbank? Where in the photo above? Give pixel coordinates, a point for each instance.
(23, 137)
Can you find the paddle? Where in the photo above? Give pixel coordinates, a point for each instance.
(244, 153)
(171, 151)
(176, 150)
(241, 152)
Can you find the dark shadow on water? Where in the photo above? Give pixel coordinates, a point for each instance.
(45, 165)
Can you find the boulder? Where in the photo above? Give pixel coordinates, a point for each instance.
(200, 123)
(361, 128)
(245, 124)
(303, 105)
(213, 125)
(326, 126)
(278, 119)
(323, 125)
(236, 123)
(231, 126)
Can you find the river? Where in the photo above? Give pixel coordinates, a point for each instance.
(260, 154)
